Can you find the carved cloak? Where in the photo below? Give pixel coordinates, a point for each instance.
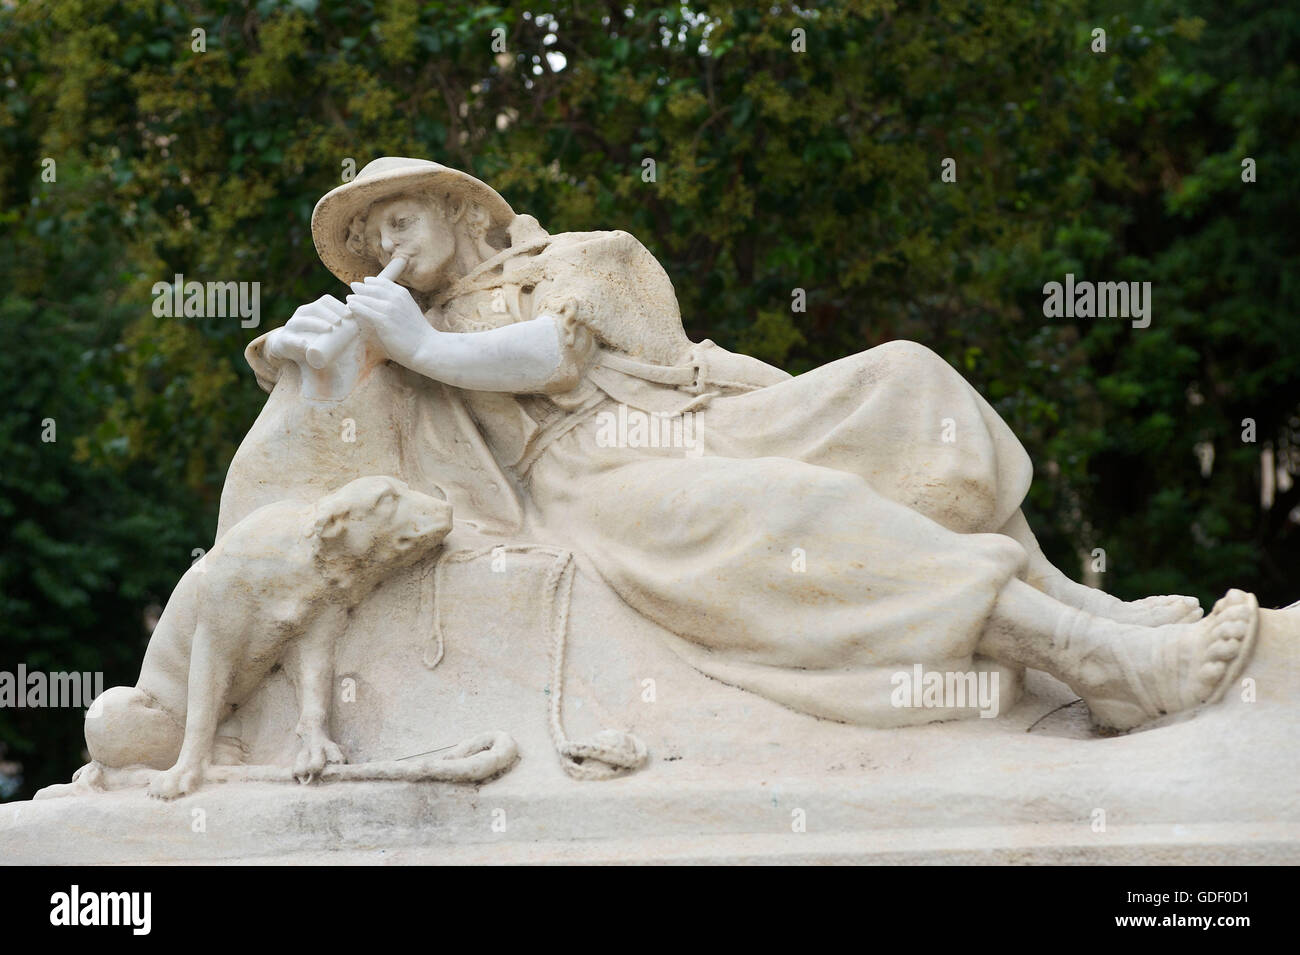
(830, 532)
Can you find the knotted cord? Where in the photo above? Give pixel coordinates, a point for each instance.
(610, 752)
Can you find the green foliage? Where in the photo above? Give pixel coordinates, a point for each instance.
(775, 170)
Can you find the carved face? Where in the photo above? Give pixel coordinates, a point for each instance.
(383, 520)
(409, 227)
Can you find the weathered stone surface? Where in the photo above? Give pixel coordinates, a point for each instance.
(727, 769)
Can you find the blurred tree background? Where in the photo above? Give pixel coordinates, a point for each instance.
(775, 169)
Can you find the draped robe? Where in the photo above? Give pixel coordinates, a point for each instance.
(820, 535)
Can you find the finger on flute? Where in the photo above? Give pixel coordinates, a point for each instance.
(333, 344)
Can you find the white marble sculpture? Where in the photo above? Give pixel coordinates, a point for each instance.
(804, 539)
(280, 585)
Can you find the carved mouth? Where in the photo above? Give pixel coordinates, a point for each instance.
(425, 531)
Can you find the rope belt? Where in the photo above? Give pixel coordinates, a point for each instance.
(678, 375)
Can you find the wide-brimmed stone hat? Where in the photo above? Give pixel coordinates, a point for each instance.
(382, 179)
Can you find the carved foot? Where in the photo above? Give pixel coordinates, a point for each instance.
(1148, 612)
(1173, 668)
(175, 782)
(317, 751)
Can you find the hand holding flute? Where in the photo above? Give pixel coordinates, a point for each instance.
(518, 357)
(328, 347)
(320, 332)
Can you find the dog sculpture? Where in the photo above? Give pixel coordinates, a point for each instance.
(278, 587)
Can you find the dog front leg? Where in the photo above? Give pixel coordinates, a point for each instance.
(211, 673)
(310, 665)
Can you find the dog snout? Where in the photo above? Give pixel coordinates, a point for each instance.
(434, 518)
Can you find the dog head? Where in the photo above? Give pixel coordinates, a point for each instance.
(379, 522)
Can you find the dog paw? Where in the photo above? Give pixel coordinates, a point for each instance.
(316, 752)
(175, 782)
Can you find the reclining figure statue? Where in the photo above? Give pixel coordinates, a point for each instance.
(814, 537)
